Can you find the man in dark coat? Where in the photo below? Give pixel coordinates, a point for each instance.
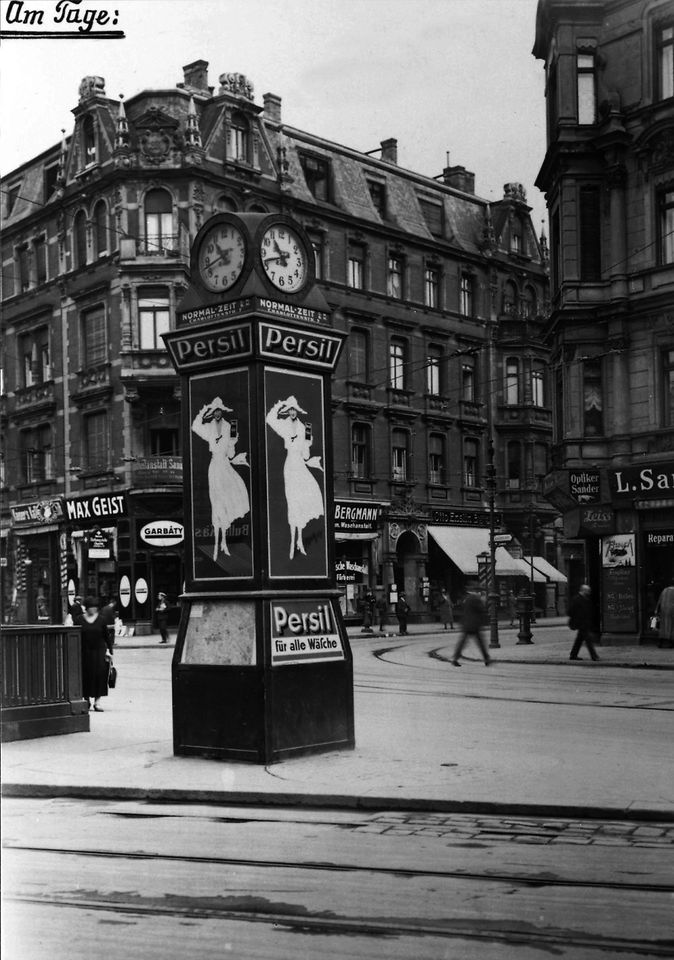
(581, 618)
(402, 612)
(473, 619)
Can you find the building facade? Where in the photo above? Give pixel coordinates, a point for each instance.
(444, 383)
(608, 175)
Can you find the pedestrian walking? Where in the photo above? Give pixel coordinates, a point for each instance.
(664, 611)
(512, 607)
(382, 612)
(402, 612)
(161, 611)
(96, 653)
(581, 618)
(473, 619)
(368, 606)
(445, 609)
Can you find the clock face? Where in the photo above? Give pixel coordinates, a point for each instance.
(284, 258)
(221, 257)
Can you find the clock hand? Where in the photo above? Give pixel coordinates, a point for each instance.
(225, 255)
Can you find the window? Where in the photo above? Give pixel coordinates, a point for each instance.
(516, 239)
(396, 365)
(40, 255)
(164, 442)
(666, 226)
(593, 402)
(51, 175)
(665, 61)
(158, 221)
(13, 191)
(96, 441)
(512, 384)
(470, 463)
(514, 465)
(94, 337)
(394, 277)
(239, 138)
(153, 317)
(586, 81)
(436, 458)
(468, 381)
(37, 454)
(432, 287)
(668, 387)
(225, 205)
(34, 353)
(80, 236)
(89, 141)
(556, 252)
(360, 450)
(317, 246)
(466, 295)
(356, 266)
(540, 461)
(23, 267)
(510, 298)
(399, 454)
(590, 233)
(538, 384)
(358, 355)
(101, 228)
(433, 215)
(378, 196)
(433, 371)
(529, 305)
(317, 176)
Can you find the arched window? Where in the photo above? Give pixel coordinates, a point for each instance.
(225, 205)
(158, 222)
(80, 232)
(101, 228)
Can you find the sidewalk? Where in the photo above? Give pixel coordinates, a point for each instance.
(509, 748)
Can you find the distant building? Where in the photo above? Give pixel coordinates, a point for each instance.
(443, 295)
(608, 175)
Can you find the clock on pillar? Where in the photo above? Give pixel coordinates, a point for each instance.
(256, 350)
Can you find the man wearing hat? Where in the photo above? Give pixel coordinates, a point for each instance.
(162, 617)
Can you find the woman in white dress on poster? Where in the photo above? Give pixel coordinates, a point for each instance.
(227, 491)
(303, 493)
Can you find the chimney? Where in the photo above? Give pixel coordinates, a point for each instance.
(196, 76)
(459, 178)
(389, 150)
(272, 107)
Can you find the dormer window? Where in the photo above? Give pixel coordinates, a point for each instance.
(378, 197)
(239, 138)
(516, 239)
(317, 175)
(89, 141)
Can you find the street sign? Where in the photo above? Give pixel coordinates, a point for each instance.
(502, 537)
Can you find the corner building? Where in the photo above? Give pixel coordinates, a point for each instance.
(608, 175)
(443, 296)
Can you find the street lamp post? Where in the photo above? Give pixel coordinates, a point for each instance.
(493, 592)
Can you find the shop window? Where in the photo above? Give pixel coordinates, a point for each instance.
(437, 467)
(356, 266)
(159, 235)
(433, 371)
(153, 317)
(80, 238)
(466, 295)
(432, 287)
(666, 225)
(317, 176)
(514, 465)
(399, 455)
(94, 337)
(96, 441)
(538, 384)
(668, 387)
(37, 458)
(590, 233)
(593, 399)
(360, 450)
(101, 228)
(665, 61)
(358, 356)
(397, 362)
(470, 463)
(586, 88)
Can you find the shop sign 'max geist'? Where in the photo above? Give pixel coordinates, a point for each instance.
(256, 356)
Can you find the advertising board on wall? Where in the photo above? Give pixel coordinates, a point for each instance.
(619, 583)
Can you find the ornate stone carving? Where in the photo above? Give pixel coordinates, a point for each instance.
(91, 87)
(235, 83)
(662, 151)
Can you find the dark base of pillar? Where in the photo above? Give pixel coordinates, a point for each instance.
(27, 723)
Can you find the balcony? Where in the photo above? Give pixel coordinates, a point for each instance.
(39, 396)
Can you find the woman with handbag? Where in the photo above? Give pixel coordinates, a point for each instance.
(96, 653)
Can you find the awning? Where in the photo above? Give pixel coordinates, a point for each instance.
(525, 570)
(547, 569)
(463, 544)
